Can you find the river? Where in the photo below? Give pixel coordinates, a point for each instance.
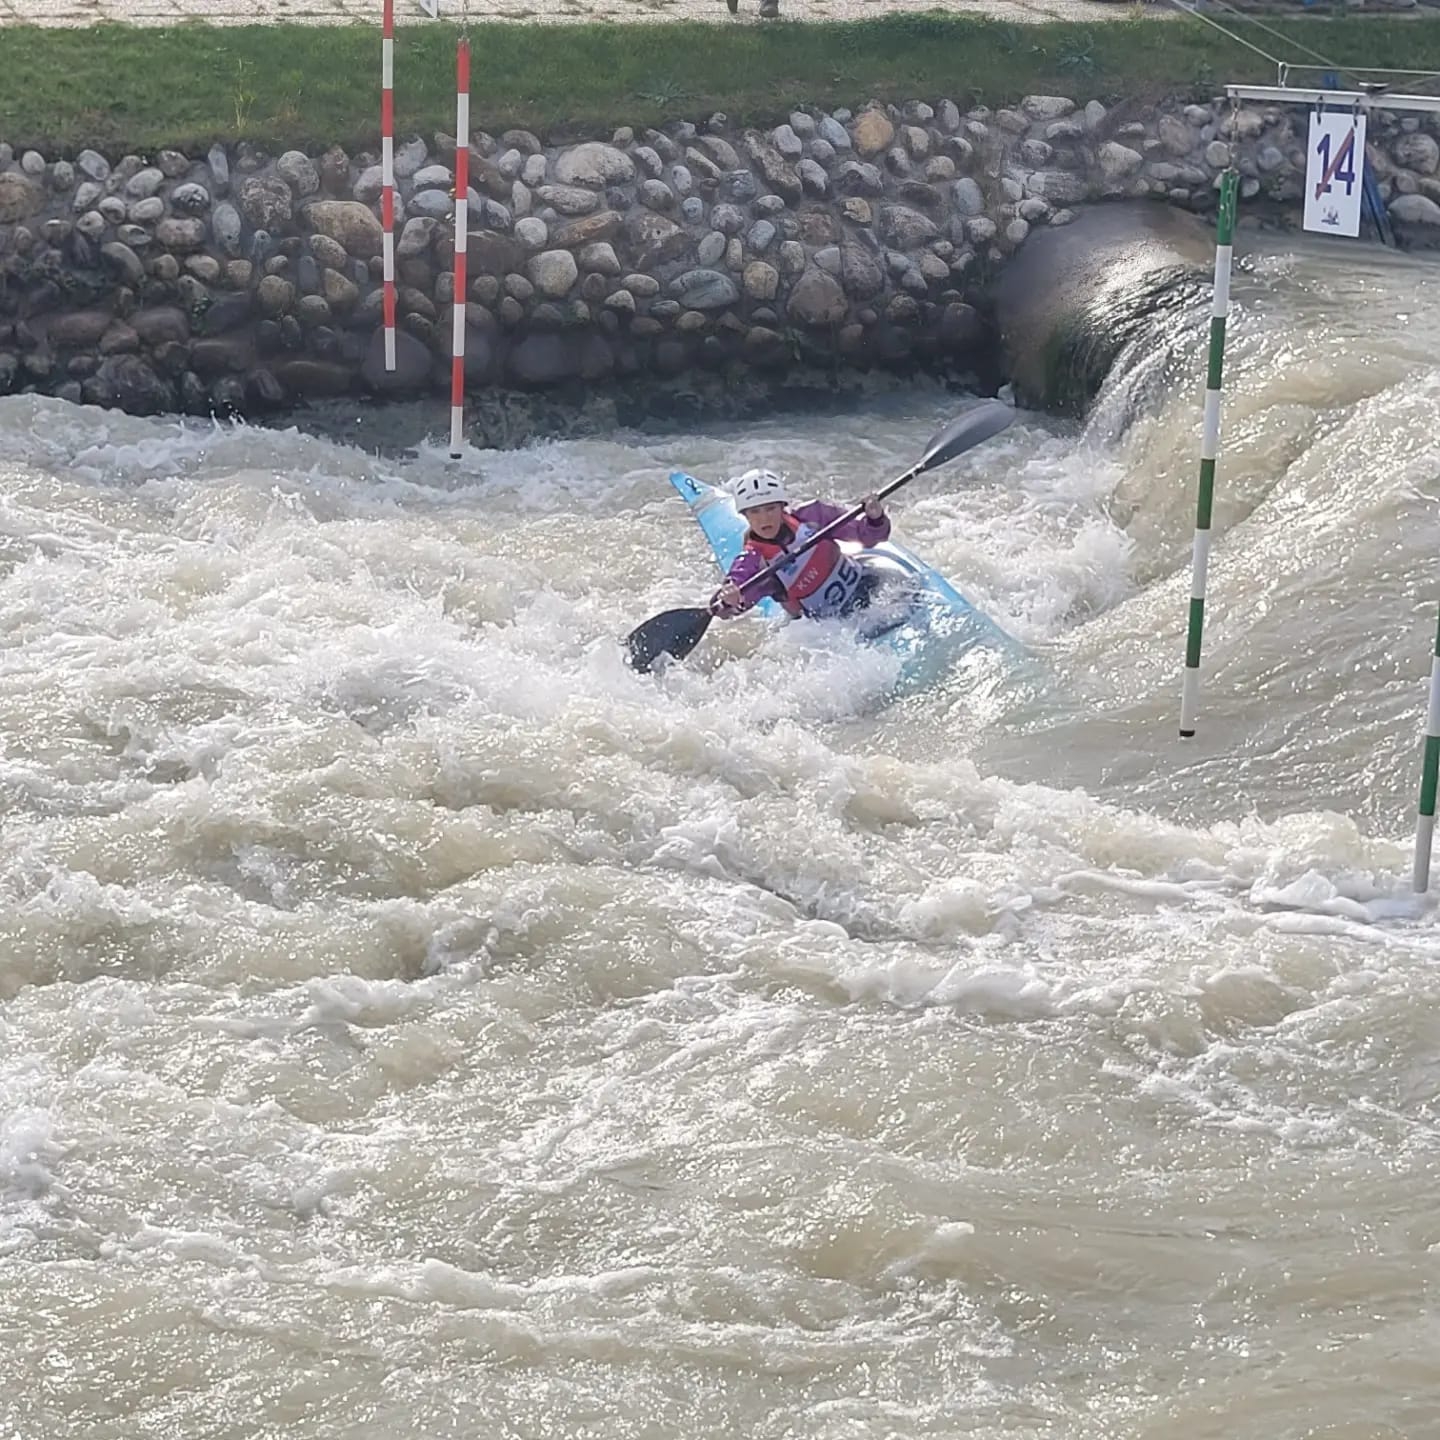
(414, 1023)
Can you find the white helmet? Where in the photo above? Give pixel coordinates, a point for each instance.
(758, 487)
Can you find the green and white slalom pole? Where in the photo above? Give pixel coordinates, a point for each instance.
(1425, 828)
(1209, 447)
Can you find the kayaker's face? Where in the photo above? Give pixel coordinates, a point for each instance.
(766, 520)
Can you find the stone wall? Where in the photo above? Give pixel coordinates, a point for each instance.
(238, 282)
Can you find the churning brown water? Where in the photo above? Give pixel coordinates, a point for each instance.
(414, 1024)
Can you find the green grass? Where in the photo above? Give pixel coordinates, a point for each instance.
(132, 89)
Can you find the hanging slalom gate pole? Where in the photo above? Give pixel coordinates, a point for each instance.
(1209, 448)
(1429, 770)
(387, 173)
(462, 240)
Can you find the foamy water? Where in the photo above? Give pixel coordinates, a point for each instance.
(413, 1022)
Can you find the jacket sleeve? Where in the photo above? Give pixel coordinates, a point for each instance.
(864, 531)
(745, 565)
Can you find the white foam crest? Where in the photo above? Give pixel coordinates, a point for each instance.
(29, 1153)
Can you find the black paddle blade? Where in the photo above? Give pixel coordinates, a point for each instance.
(676, 632)
(977, 424)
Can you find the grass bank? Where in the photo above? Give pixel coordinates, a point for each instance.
(133, 89)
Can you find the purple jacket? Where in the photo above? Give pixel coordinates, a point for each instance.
(817, 514)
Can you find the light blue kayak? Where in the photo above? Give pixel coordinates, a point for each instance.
(917, 614)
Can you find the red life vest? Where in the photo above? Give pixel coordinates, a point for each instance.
(822, 581)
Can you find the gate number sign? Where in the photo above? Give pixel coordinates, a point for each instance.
(1334, 173)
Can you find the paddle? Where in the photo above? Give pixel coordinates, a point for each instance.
(678, 632)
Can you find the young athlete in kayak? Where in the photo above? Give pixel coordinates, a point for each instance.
(820, 583)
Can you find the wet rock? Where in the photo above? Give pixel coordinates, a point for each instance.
(760, 236)
(266, 202)
(329, 252)
(144, 183)
(817, 299)
(860, 271)
(1178, 138)
(704, 289)
(788, 142)
(1059, 187)
(412, 364)
(719, 151)
(123, 262)
(647, 158)
(409, 157)
(79, 329)
(739, 186)
(19, 198)
(967, 197)
(1415, 210)
(353, 225)
(433, 177)
(761, 281)
(906, 228)
(1418, 152)
(711, 248)
(554, 272)
(190, 199)
(779, 173)
(702, 165)
(603, 225)
(657, 195)
(532, 233)
(542, 359)
(180, 235)
(872, 132)
(339, 291)
(813, 178)
(128, 382)
(274, 295)
(568, 199)
(855, 177)
(600, 258)
(1046, 107)
(93, 165)
(226, 226)
(298, 170)
(490, 254)
(1118, 161)
(313, 377)
(654, 239)
(594, 164)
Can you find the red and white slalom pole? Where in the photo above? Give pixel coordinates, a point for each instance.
(387, 174)
(462, 240)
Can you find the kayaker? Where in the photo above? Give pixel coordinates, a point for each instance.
(821, 583)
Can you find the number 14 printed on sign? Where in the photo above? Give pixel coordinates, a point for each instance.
(1335, 173)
